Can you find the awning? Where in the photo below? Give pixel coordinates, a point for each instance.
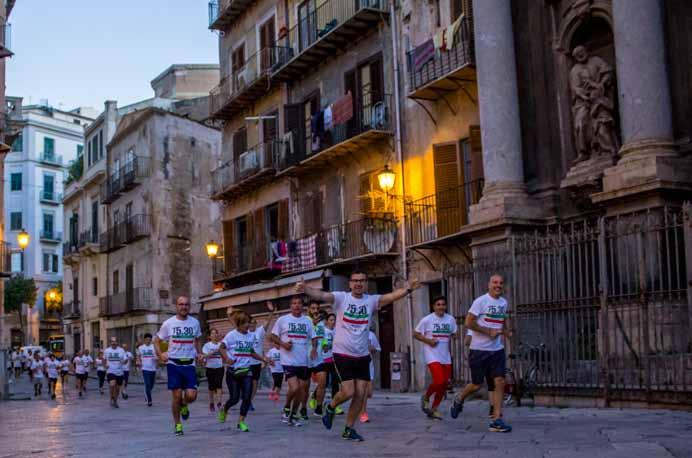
(269, 291)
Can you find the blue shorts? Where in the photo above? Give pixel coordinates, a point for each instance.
(181, 377)
(486, 364)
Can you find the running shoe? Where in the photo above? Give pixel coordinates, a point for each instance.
(435, 415)
(312, 403)
(328, 417)
(425, 405)
(456, 409)
(364, 418)
(178, 429)
(115, 404)
(185, 412)
(211, 407)
(125, 396)
(149, 404)
(499, 426)
(295, 421)
(252, 408)
(286, 415)
(318, 411)
(221, 416)
(242, 426)
(304, 414)
(350, 434)
(338, 411)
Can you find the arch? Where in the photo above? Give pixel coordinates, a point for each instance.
(575, 17)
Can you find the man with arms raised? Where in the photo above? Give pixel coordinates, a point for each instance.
(182, 332)
(487, 319)
(351, 349)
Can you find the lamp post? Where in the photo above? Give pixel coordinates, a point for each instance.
(212, 249)
(386, 179)
(23, 239)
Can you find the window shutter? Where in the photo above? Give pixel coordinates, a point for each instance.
(366, 204)
(228, 246)
(260, 246)
(293, 122)
(476, 153)
(447, 187)
(332, 207)
(376, 86)
(283, 219)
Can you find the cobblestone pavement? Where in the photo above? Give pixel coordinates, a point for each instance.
(88, 427)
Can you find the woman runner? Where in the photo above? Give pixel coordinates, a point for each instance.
(100, 369)
(214, 369)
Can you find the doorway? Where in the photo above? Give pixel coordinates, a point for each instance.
(386, 332)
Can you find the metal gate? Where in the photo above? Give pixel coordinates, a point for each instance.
(601, 306)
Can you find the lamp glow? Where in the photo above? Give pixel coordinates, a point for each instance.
(23, 239)
(212, 249)
(386, 179)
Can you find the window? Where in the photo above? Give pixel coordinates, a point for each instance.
(271, 221)
(46, 262)
(54, 258)
(100, 145)
(89, 153)
(17, 262)
(80, 150)
(16, 221)
(48, 186)
(94, 220)
(18, 144)
(128, 212)
(50, 262)
(116, 282)
(48, 146)
(16, 181)
(48, 223)
(95, 286)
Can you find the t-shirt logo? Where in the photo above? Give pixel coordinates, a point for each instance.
(297, 331)
(147, 353)
(183, 335)
(356, 314)
(495, 314)
(242, 349)
(441, 330)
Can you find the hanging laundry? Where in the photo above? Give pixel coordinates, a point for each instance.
(317, 129)
(307, 250)
(328, 118)
(423, 54)
(292, 261)
(451, 34)
(342, 109)
(439, 40)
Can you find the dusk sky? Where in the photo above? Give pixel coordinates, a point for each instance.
(82, 52)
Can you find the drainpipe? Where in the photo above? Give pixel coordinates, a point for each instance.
(400, 159)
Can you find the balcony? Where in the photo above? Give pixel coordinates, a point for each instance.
(124, 179)
(135, 300)
(370, 125)
(222, 13)
(218, 269)
(334, 26)
(252, 169)
(5, 259)
(50, 236)
(71, 310)
(70, 248)
(89, 241)
(49, 196)
(50, 158)
(6, 41)
(438, 218)
(135, 228)
(245, 85)
(432, 77)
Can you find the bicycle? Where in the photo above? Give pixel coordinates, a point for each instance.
(526, 384)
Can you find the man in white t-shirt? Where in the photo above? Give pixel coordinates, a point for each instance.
(80, 369)
(147, 362)
(17, 364)
(487, 319)
(129, 357)
(351, 349)
(52, 365)
(295, 336)
(435, 331)
(182, 332)
(115, 357)
(37, 367)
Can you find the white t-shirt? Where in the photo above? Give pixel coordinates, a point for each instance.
(327, 344)
(258, 345)
(319, 334)
(214, 360)
(181, 335)
(114, 360)
(491, 313)
(147, 355)
(373, 343)
(52, 368)
(16, 359)
(441, 330)
(240, 348)
(275, 355)
(126, 365)
(300, 332)
(353, 323)
(64, 365)
(87, 361)
(80, 365)
(100, 364)
(37, 368)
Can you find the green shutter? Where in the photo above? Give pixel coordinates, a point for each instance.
(48, 146)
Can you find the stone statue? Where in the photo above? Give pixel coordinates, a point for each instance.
(591, 82)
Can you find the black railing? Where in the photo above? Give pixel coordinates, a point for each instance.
(371, 112)
(88, 237)
(218, 268)
(51, 236)
(124, 178)
(71, 309)
(50, 196)
(441, 214)
(442, 63)
(50, 158)
(70, 247)
(254, 160)
(136, 227)
(129, 301)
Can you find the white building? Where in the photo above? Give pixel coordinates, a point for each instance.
(35, 171)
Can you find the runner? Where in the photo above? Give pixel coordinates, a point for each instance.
(293, 333)
(255, 364)
(277, 372)
(214, 369)
(147, 362)
(237, 350)
(37, 368)
(182, 332)
(328, 356)
(80, 372)
(374, 347)
(489, 381)
(101, 369)
(318, 370)
(88, 363)
(487, 319)
(435, 331)
(29, 362)
(351, 347)
(17, 364)
(126, 369)
(115, 357)
(52, 366)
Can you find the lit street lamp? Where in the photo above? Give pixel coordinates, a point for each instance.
(386, 179)
(23, 239)
(212, 249)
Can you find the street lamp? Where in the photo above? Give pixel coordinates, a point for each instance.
(52, 295)
(212, 249)
(23, 239)
(386, 179)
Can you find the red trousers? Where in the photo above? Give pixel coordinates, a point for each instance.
(441, 374)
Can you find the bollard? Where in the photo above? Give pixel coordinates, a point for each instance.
(4, 385)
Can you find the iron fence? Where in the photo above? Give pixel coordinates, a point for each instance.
(134, 228)
(261, 157)
(131, 300)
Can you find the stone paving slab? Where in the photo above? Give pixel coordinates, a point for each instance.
(88, 427)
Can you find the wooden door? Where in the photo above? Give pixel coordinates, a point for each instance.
(267, 39)
(448, 201)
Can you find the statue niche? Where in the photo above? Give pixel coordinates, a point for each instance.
(593, 106)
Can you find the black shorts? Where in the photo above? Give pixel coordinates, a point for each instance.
(215, 377)
(256, 370)
(302, 372)
(319, 368)
(126, 376)
(486, 364)
(118, 379)
(64, 373)
(278, 378)
(83, 377)
(52, 380)
(352, 368)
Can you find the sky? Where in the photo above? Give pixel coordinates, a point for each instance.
(82, 52)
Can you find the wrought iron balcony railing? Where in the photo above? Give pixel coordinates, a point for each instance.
(251, 169)
(135, 228)
(134, 300)
(124, 178)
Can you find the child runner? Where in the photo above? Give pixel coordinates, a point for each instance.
(37, 367)
(277, 372)
(52, 370)
(147, 362)
(214, 368)
(435, 331)
(237, 350)
(126, 369)
(101, 369)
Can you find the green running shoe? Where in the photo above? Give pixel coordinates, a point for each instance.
(312, 403)
(179, 429)
(242, 426)
(338, 411)
(185, 412)
(221, 416)
(350, 434)
(425, 405)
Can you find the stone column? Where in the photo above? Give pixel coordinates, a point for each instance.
(648, 152)
(504, 194)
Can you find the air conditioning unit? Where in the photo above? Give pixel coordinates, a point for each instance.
(248, 161)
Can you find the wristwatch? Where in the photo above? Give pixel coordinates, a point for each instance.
(409, 290)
